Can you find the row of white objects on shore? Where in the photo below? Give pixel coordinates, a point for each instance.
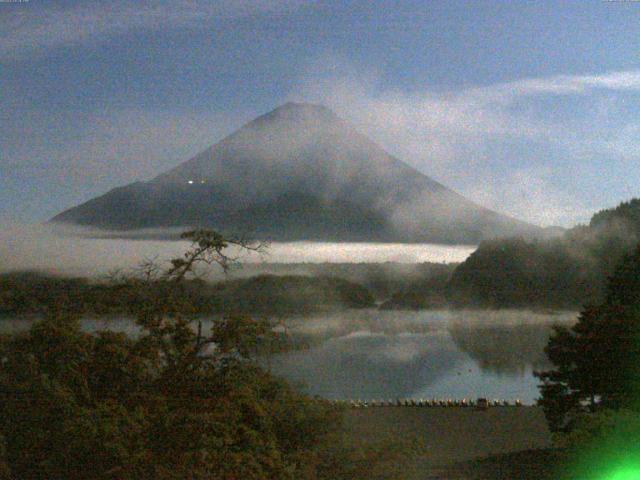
(412, 402)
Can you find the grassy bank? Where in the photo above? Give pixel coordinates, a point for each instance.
(450, 440)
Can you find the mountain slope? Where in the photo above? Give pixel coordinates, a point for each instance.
(299, 173)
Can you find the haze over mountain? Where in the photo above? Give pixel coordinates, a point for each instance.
(299, 172)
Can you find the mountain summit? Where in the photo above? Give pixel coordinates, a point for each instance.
(299, 172)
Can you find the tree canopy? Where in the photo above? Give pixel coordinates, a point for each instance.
(174, 402)
(597, 361)
(561, 272)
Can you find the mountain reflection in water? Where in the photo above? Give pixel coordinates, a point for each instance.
(372, 354)
(504, 349)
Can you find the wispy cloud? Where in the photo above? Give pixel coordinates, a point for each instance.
(27, 29)
(73, 251)
(557, 85)
(518, 147)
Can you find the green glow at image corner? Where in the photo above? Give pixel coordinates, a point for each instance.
(624, 473)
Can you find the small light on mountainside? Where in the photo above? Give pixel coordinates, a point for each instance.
(190, 182)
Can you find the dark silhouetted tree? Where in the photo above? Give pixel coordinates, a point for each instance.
(597, 361)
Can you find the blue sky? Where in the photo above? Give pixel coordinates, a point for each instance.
(530, 108)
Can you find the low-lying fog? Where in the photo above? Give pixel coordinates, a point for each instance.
(73, 251)
(350, 354)
(371, 354)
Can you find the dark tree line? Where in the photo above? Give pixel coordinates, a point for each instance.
(31, 293)
(597, 361)
(565, 272)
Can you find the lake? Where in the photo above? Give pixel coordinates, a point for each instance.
(372, 354)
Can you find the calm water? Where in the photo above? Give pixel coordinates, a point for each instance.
(385, 355)
(370, 354)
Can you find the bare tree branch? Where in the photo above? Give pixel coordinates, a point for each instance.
(208, 247)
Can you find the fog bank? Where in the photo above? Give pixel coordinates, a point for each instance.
(73, 251)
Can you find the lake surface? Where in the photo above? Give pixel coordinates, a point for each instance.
(371, 354)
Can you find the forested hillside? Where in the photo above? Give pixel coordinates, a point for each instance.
(564, 272)
(28, 293)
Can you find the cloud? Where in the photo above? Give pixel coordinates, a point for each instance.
(27, 29)
(519, 147)
(529, 193)
(560, 85)
(74, 251)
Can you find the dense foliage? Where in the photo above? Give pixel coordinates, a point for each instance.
(597, 361)
(175, 402)
(78, 406)
(381, 279)
(428, 292)
(516, 273)
(289, 294)
(35, 293)
(563, 272)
